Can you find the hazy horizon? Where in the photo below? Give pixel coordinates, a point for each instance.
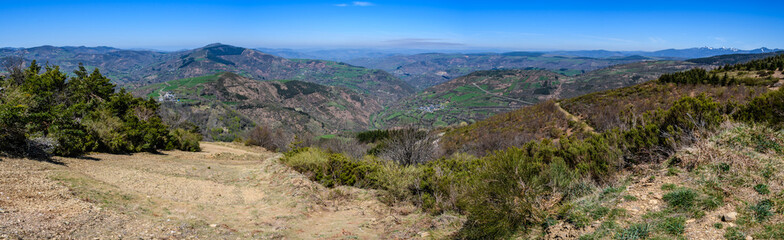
(431, 25)
(388, 49)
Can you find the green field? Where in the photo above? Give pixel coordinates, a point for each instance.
(186, 86)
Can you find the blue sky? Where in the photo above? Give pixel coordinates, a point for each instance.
(486, 24)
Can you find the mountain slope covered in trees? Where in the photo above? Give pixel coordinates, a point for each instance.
(485, 93)
(430, 69)
(227, 105)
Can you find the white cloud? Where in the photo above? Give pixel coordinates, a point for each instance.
(355, 4)
(362, 4)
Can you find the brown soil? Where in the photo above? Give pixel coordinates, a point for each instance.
(226, 191)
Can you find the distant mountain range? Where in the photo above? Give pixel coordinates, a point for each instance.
(138, 68)
(687, 53)
(430, 69)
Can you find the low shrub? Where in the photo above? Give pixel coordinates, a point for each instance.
(681, 199)
(509, 196)
(761, 211)
(718, 225)
(773, 231)
(333, 169)
(635, 231)
(186, 140)
(761, 189)
(668, 187)
(448, 182)
(673, 225)
(734, 233)
(765, 108)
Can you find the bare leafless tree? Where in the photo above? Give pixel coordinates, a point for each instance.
(276, 140)
(410, 146)
(350, 147)
(14, 67)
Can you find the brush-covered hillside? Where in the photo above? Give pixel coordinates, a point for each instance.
(691, 155)
(227, 105)
(471, 97)
(623, 75)
(485, 93)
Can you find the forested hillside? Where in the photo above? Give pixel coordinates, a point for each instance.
(472, 97)
(482, 94)
(430, 69)
(227, 106)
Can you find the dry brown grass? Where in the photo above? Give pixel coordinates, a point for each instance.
(625, 107)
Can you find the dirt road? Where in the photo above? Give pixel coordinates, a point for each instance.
(227, 191)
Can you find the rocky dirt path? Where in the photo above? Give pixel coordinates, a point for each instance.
(227, 192)
(585, 126)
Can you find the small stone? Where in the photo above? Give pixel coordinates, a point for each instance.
(653, 202)
(213, 225)
(729, 217)
(749, 238)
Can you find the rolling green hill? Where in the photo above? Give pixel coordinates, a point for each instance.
(485, 93)
(468, 98)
